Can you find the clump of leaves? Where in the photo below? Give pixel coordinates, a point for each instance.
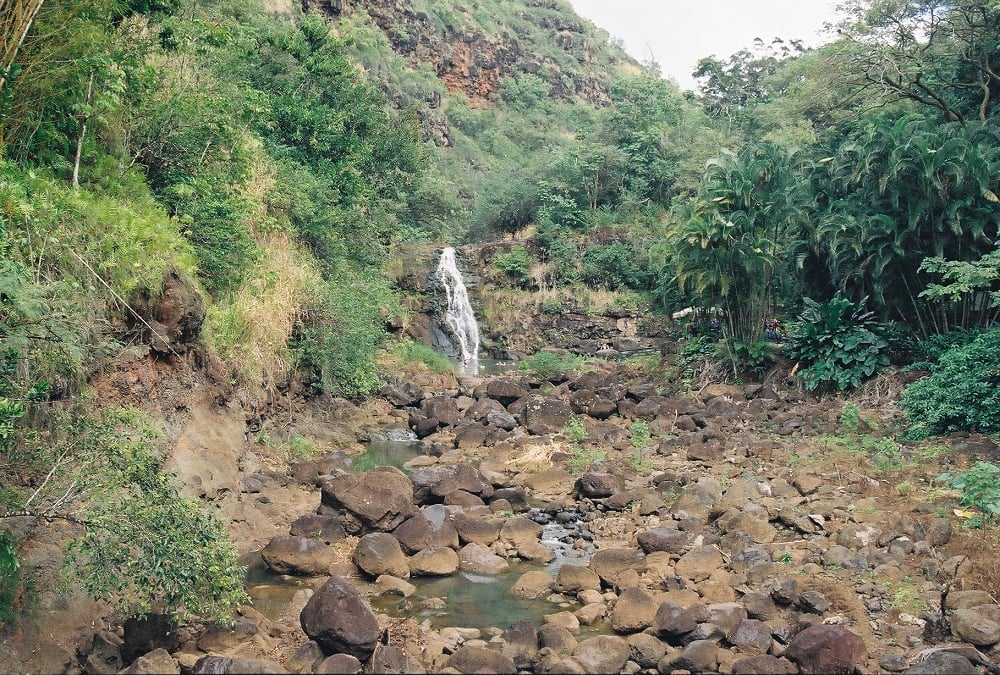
(753, 358)
(980, 489)
(575, 430)
(962, 393)
(838, 344)
(515, 264)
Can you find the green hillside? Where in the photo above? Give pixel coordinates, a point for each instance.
(273, 162)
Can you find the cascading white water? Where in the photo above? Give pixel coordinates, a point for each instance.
(460, 316)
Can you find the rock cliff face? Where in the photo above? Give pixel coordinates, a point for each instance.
(472, 55)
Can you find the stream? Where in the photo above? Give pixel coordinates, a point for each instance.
(463, 599)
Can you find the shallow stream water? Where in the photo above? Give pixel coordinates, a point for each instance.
(463, 599)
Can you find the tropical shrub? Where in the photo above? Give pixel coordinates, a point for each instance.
(515, 264)
(613, 267)
(837, 343)
(962, 393)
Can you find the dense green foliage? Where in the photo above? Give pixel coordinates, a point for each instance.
(962, 392)
(837, 344)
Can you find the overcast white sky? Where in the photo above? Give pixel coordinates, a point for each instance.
(677, 33)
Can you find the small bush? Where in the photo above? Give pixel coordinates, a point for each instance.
(962, 393)
(575, 430)
(980, 488)
(549, 365)
(515, 264)
(754, 358)
(837, 344)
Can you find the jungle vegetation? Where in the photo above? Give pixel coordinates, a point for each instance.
(277, 166)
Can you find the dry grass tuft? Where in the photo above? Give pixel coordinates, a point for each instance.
(251, 329)
(536, 457)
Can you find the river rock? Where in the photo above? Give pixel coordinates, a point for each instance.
(977, 625)
(598, 485)
(473, 659)
(519, 530)
(764, 664)
(557, 638)
(613, 564)
(575, 578)
(699, 563)
(305, 658)
(339, 620)
(726, 615)
(154, 663)
(391, 659)
(461, 476)
(943, 662)
(602, 653)
(505, 390)
(476, 530)
(673, 622)
(533, 584)
(662, 539)
(381, 499)
(429, 528)
(698, 656)
(224, 665)
(298, 555)
(634, 611)
(221, 637)
(752, 636)
(827, 649)
(545, 415)
(470, 435)
(535, 551)
(434, 561)
(379, 553)
(444, 408)
(590, 613)
(339, 663)
(325, 528)
(645, 649)
(480, 560)
(516, 496)
(520, 643)
(587, 402)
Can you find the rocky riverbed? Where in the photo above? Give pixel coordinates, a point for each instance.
(729, 529)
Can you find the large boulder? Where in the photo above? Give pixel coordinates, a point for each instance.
(545, 415)
(827, 649)
(379, 553)
(474, 659)
(430, 527)
(505, 390)
(380, 499)
(480, 560)
(324, 528)
(598, 485)
(602, 653)
(339, 620)
(303, 556)
(434, 561)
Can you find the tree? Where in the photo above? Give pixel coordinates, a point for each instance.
(730, 242)
(16, 17)
(943, 54)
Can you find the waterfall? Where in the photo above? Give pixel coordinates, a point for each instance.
(459, 315)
